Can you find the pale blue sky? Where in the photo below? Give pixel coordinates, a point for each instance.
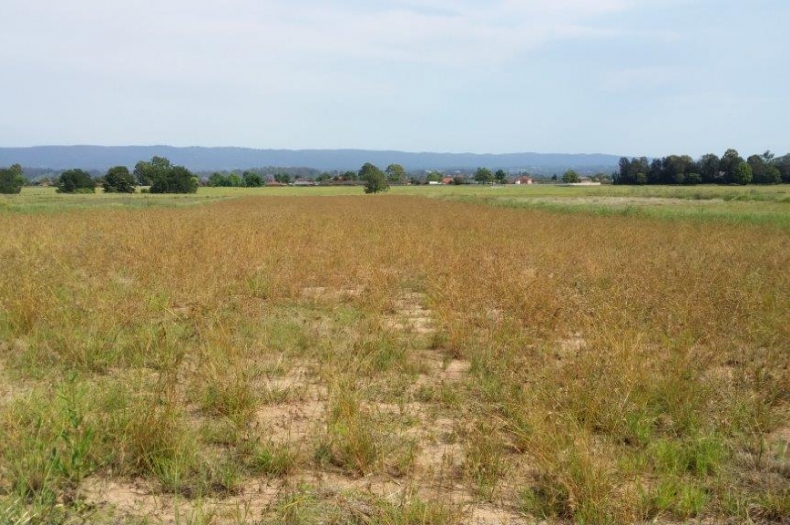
(649, 77)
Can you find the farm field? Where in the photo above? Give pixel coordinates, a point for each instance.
(435, 355)
(731, 204)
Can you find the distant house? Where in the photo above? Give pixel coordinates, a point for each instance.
(524, 180)
(272, 183)
(447, 180)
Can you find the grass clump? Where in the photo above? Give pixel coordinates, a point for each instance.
(308, 506)
(50, 442)
(485, 460)
(351, 441)
(271, 459)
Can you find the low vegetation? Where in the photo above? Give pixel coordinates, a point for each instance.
(391, 360)
(11, 180)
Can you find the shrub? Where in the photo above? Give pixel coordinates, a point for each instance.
(119, 180)
(11, 179)
(166, 178)
(76, 181)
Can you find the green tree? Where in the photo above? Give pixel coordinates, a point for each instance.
(375, 179)
(235, 181)
(500, 176)
(11, 179)
(709, 168)
(728, 164)
(282, 178)
(395, 173)
(76, 181)
(570, 177)
(217, 180)
(763, 170)
(484, 176)
(119, 180)
(147, 172)
(743, 174)
(165, 177)
(783, 164)
(252, 180)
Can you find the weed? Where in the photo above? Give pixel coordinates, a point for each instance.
(272, 460)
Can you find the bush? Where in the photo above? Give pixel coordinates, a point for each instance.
(11, 179)
(119, 180)
(76, 181)
(164, 177)
(252, 180)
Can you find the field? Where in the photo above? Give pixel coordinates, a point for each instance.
(435, 355)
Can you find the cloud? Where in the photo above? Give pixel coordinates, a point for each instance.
(151, 36)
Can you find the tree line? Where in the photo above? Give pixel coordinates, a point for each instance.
(159, 175)
(731, 168)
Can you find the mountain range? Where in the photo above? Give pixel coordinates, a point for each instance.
(229, 158)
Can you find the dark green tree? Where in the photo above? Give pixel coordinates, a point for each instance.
(570, 177)
(11, 179)
(500, 176)
(119, 180)
(763, 170)
(76, 181)
(484, 176)
(743, 174)
(375, 180)
(147, 172)
(623, 175)
(629, 169)
(783, 164)
(709, 168)
(217, 180)
(252, 180)
(728, 164)
(675, 168)
(166, 178)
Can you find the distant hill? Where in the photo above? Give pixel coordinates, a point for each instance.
(210, 159)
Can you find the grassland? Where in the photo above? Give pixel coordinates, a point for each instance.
(486, 355)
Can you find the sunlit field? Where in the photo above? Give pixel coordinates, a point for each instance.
(434, 355)
(730, 204)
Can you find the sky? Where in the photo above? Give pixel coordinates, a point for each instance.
(625, 77)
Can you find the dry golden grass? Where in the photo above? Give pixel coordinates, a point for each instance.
(390, 360)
